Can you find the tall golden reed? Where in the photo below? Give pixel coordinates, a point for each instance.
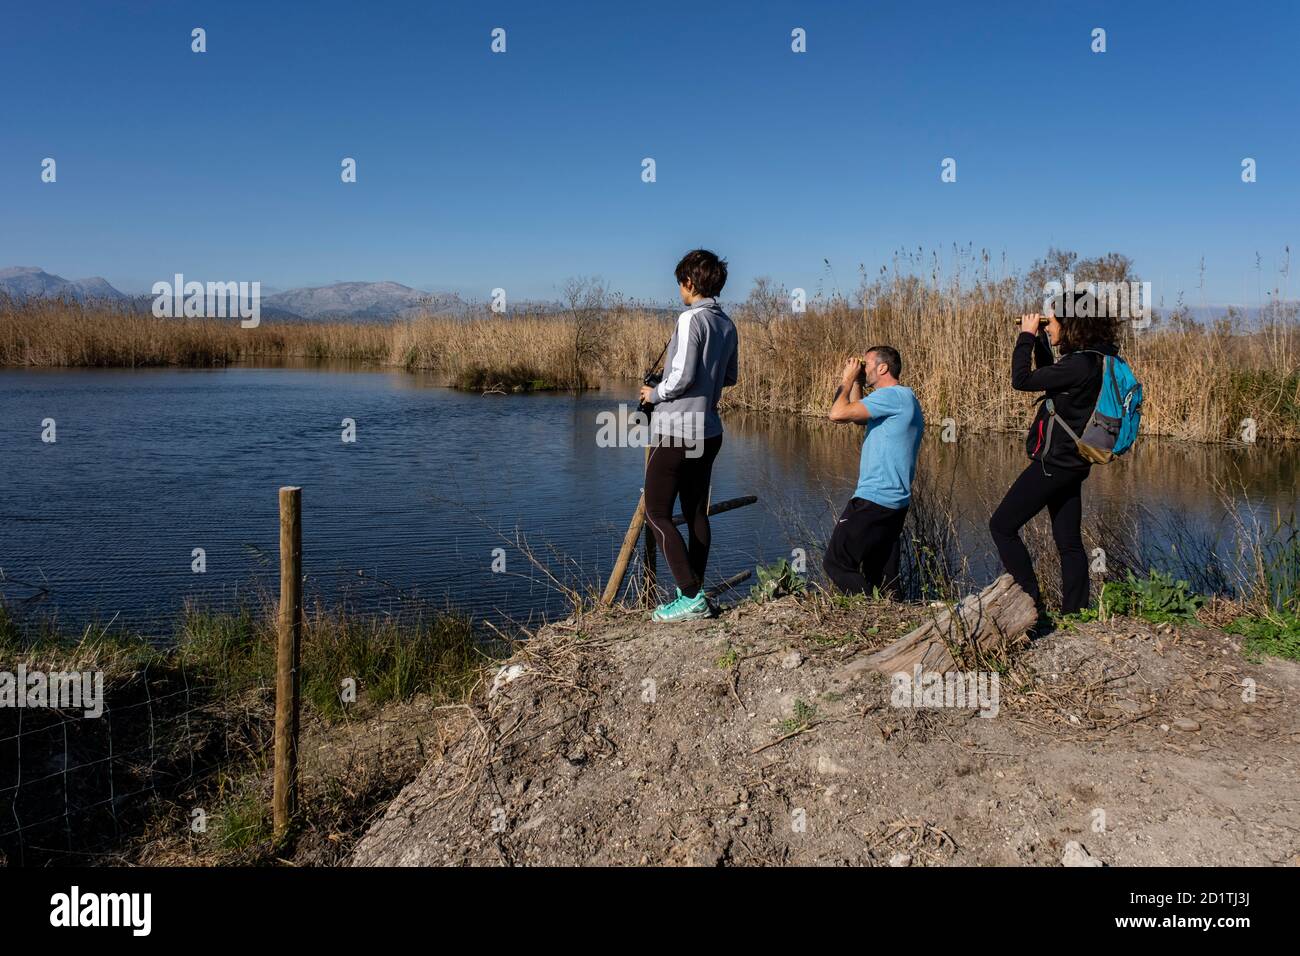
(1202, 381)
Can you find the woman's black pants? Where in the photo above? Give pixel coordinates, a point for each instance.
(676, 470)
(1060, 492)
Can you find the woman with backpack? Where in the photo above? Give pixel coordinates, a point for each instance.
(1056, 472)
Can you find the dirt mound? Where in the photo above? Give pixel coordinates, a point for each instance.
(739, 740)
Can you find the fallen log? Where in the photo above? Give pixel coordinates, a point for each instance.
(977, 625)
(731, 504)
(729, 584)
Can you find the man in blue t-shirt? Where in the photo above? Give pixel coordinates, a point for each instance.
(862, 554)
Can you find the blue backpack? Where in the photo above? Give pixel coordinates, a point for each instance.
(1113, 426)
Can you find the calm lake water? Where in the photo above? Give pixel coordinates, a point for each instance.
(149, 465)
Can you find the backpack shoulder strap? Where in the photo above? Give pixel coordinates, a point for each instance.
(1053, 418)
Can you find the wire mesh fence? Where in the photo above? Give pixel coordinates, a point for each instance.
(73, 782)
(192, 726)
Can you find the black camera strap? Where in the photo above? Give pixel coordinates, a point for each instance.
(662, 353)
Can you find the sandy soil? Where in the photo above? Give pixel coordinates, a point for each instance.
(737, 741)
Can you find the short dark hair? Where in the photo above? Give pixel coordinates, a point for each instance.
(888, 355)
(1088, 323)
(708, 273)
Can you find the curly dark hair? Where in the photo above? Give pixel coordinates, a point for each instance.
(1088, 322)
(708, 273)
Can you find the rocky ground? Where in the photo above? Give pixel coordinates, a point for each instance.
(743, 740)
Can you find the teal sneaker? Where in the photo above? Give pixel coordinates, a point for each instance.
(663, 608)
(683, 609)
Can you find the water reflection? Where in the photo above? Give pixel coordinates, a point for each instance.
(151, 464)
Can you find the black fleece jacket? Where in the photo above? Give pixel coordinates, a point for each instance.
(1072, 384)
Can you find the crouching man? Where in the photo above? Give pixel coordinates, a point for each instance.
(863, 552)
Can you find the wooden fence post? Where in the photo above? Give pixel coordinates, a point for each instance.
(284, 803)
(624, 555)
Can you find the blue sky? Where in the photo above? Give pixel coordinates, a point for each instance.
(520, 169)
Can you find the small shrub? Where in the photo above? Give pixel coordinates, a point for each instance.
(1156, 598)
(804, 714)
(777, 580)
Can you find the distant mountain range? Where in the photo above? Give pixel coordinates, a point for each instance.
(29, 282)
(363, 300)
(359, 301)
(355, 301)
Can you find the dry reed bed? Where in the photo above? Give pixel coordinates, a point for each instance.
(1201, 381)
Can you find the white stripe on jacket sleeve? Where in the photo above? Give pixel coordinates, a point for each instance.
(677, 373)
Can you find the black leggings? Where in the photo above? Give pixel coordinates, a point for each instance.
(1061, 493)
(671, 473)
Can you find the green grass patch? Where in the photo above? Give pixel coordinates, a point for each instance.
(95, 647)
(1071, 621)
(241, 822)
(230, 653)
(388, 661)
(1275, 635)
